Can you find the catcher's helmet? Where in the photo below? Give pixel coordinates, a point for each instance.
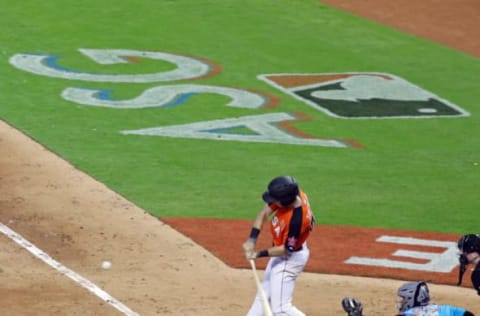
(469, 243)
(413, 294)
(282, 189)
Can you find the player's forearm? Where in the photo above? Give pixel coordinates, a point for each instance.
(261, 218)
(257, 224)
(271, 252)
(277, 251)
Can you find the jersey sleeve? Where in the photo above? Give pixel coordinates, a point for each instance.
(295, 228)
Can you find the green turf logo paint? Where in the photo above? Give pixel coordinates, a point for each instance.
(363, 95)
(264, 128)
(261, 129)
(160, 96)
(164, 96)
(46, 65)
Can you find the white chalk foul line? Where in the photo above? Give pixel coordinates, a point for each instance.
(66, 271)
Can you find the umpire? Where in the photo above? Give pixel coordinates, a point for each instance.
(469, 246)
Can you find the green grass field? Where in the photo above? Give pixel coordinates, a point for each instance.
(415, 174)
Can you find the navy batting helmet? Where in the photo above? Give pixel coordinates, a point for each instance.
(469, 243)
(282, 189)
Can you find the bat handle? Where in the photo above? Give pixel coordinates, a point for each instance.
(266, 305)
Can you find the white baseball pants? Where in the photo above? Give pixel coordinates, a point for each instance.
(279, 282)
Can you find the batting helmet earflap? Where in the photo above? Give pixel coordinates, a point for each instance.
(283, 189)
(469, 243)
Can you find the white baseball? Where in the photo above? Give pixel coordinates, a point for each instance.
(106, 264)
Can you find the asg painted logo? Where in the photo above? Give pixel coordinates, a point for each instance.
(271, 127)
(363, 95)
(341, 95)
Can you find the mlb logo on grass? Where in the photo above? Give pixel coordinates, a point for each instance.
(363, 95)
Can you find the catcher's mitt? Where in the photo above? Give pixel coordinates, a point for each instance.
(352, 306)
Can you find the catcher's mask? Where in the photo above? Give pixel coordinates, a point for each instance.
(283, 189)
(412, 294)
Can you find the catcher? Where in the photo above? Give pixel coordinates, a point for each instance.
(413, 300)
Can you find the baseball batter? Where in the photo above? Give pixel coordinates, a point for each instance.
(291, 221)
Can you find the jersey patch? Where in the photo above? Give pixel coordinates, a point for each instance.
(291, 243)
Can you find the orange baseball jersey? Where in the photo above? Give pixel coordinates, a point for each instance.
(291, 226)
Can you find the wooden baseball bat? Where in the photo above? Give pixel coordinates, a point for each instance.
(266, 305)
